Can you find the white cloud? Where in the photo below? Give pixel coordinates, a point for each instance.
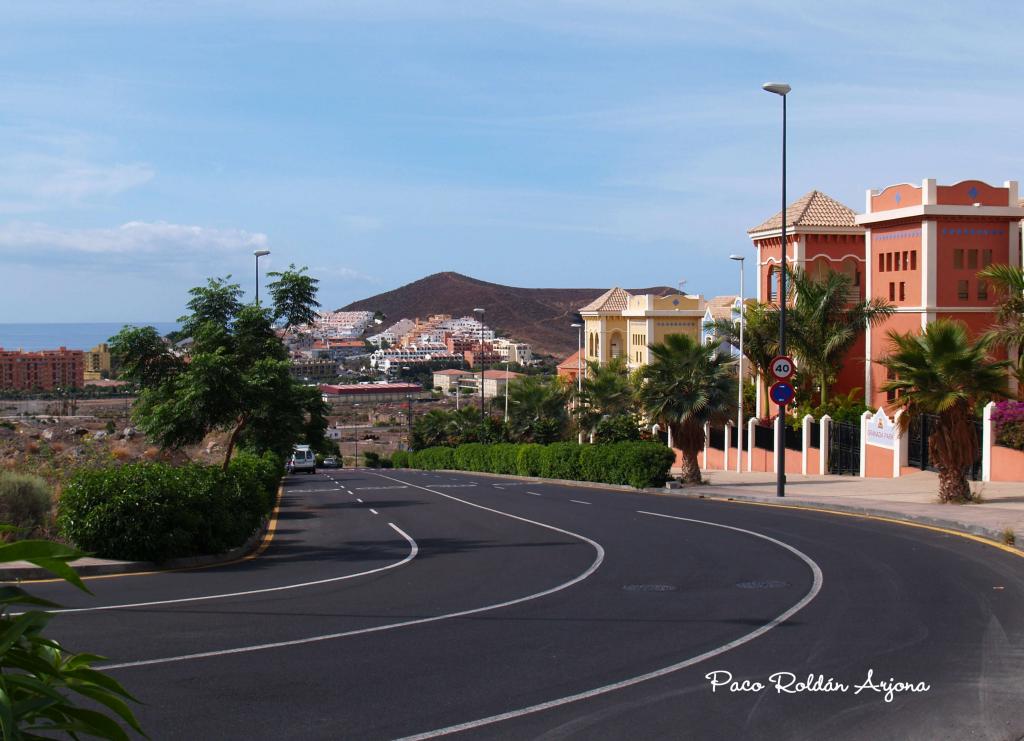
(137, 240)
(39, 182)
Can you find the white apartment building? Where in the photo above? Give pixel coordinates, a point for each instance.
(387, 360)
(513, 352)
(393, 334)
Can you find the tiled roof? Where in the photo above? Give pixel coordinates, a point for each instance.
(500, 375)
(614, 299)
(571, 362)
(452, 372)
(721, 306)
(814, 209)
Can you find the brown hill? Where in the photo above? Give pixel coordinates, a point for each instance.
(540, 316)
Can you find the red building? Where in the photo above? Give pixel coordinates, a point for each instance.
(45, 369)
(919, 247)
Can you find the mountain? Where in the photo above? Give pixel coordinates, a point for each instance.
(540, 316)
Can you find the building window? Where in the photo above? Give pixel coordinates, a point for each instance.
(962, 290)
(913, 259)
(888, 261)
(982, 291)
(881, 262)
(906, 263)
(958, 259)
(892, 291)
(903, 291)
(972, 259)
(986, 258)
(856, 278)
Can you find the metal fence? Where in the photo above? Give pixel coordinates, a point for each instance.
(716, 438)
(815, 435)
(764, 437)
(844, 449)
(794, 439)
(918, 455)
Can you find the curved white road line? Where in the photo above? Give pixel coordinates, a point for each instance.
(414, 549)
(815, 588)
(406, 623)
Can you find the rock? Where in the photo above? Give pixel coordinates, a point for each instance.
(79, 431)
(99, 435)
(129, 433)
(47, 435)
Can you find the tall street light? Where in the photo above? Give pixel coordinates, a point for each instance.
(579, 367)
(781, 89)
(739, 375)
(483, 366)
(259, 254)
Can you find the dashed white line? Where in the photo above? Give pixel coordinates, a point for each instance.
(413, 550)
(579, 501)
(359, 500)
(533, 493)
(815, 588)
(373, 510)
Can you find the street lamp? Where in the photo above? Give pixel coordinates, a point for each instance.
(739, 374)
(259, 254)
(483, 366)
(782, 90)
(579, 368)
(355, 433)
(408, 413)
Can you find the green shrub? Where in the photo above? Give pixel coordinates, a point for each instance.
(386, 463)
(153, 511)
(400, 459)
(372, 459)
(433, 459)
(503, 458)
(473, 457)
(528, 459)
(25, 500)
(560, 461)
(644, 464)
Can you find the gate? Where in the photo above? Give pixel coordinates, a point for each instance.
(917, 438)
(844, 449)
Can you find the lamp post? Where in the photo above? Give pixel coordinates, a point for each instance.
(739, 375)
(483, 366)
(507, 378)
(408, 414)
(782, 90)
(259, 254)
(355, 434)
(579, 368)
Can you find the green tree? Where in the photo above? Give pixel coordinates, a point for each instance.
(823, 324)
(940, 371)
(236, 380)
(294, 296)
(606, 391)
(760, 337)
(537, 410)
(684, 387)
(432, 429)
(1008, 329)
(143, 355)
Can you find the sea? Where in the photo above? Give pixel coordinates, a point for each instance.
(73, 335)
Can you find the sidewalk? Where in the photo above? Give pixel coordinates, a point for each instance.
(913, 497)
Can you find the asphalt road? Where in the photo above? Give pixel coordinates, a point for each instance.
(394, 604)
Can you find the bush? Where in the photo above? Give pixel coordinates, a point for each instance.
(561, 461)
(637, 464)
(1008, 421)
(400, 459)
(154, 511)
(372, 459)
(618, 429)
(528, 459)
(25, 501)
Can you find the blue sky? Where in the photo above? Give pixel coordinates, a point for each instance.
(147, 145)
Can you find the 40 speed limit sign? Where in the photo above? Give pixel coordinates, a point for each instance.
(782, 367)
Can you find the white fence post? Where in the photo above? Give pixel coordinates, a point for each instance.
(727, 443)
(987, 439)
(900, 449)
(805, 440)
(751, 423)
(707, 433)
(775, 448)
(824, 440)
(864, 443)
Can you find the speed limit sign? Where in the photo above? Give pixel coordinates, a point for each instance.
(782, 367)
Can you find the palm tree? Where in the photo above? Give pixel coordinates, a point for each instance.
(822, 325)
(682, 388)
(607, 392)
(941, 371)
(760, 336)
(537, 409)
(1008, 330)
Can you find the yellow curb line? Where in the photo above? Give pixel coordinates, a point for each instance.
(879, 518)
(268, 536)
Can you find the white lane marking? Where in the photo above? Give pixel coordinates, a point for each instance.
(309, 491)
(373, 510)
(578, 501)
(378, 488)
(419, 621)
(413, 550)
(450, 486)
(359, 500)
(815, 588)
(533, 493)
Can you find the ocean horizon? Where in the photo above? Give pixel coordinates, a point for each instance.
(72, 335)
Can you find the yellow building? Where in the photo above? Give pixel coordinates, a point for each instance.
(619, 324)
(97, 362)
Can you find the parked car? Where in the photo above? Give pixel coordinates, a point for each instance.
(302, 459)
(330, 462)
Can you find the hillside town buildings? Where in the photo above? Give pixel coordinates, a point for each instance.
(98, 363)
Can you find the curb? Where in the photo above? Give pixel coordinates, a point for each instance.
(249, 547)
(996, 536)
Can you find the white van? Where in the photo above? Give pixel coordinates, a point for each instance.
(303, 459)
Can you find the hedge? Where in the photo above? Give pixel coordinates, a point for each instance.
(638, 464)
(154, 511)
(25, 501)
